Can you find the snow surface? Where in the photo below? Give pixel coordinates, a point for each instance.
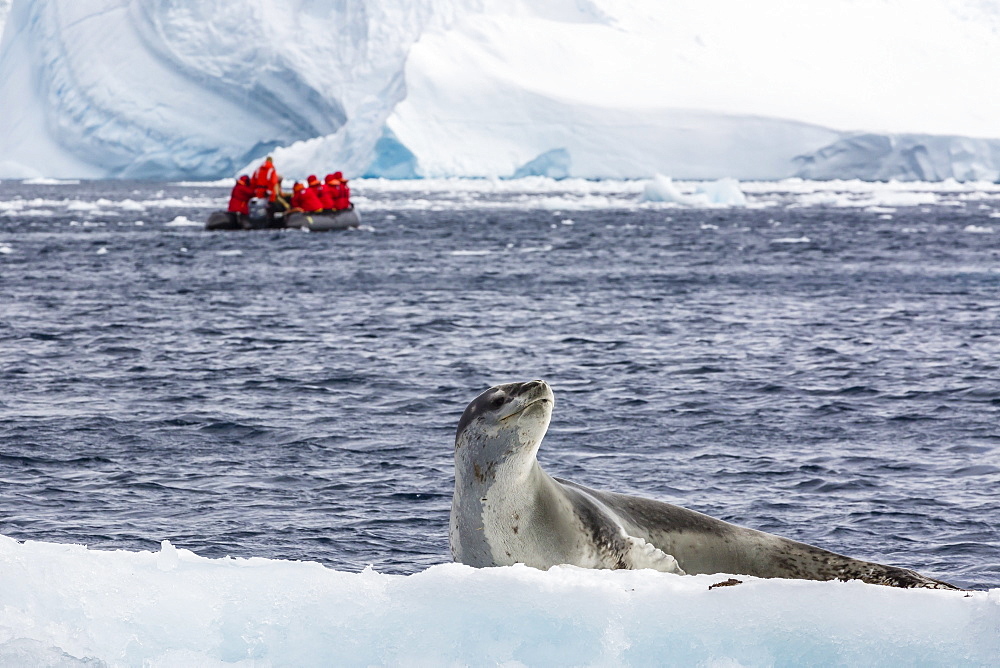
(693, 89)
(4, 10)
(65, 605)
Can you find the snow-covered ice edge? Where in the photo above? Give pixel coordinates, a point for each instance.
(66, 603)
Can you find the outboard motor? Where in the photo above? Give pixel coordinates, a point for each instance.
(258, 211)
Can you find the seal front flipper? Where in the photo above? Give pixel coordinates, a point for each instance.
(640, 554)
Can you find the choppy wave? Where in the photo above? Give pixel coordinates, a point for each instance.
(527, 194)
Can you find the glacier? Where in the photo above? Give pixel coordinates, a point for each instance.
(697, 89)
(906, 157)
(66, 605)
(4, 10)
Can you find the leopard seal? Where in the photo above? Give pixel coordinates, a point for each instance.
(507, 510)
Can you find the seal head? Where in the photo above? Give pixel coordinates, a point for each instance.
(503, 423)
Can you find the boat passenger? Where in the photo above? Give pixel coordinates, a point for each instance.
(267, 177)
(331, 192)
(305, 199)
(319, 190)
(239, 200)
(344, 198)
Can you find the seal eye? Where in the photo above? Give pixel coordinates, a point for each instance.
(497, 401)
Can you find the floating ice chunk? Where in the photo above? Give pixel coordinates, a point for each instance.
(662, 189)
(724, 192)
(721, 193)
(183, 221)
(42, 181)
(570, 203)
(978, 229)
(897, 198)
(226, 182)
(131, 205)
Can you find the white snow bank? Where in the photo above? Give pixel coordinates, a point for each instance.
(65, 604)
(721, 193)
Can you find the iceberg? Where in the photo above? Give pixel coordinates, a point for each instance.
(905, 157)
(4, 10)
(698, 89)
(67, 605)
(165, 90)
(721, 193)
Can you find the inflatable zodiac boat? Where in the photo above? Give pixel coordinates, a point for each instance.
(313, 222)
(324, 222)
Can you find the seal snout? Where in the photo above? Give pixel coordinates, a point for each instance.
(534, 392)
(502, 402)
(534, 388)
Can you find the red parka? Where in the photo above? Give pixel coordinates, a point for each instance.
(239, 201)
(341, 191)
(328, 197)
(331, 193)
(345, 196)
(320, 191)
(306, 199)
(267, 177)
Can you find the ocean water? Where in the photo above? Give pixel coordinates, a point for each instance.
(823, 364)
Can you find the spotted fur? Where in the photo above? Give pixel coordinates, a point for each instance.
(507, 510)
